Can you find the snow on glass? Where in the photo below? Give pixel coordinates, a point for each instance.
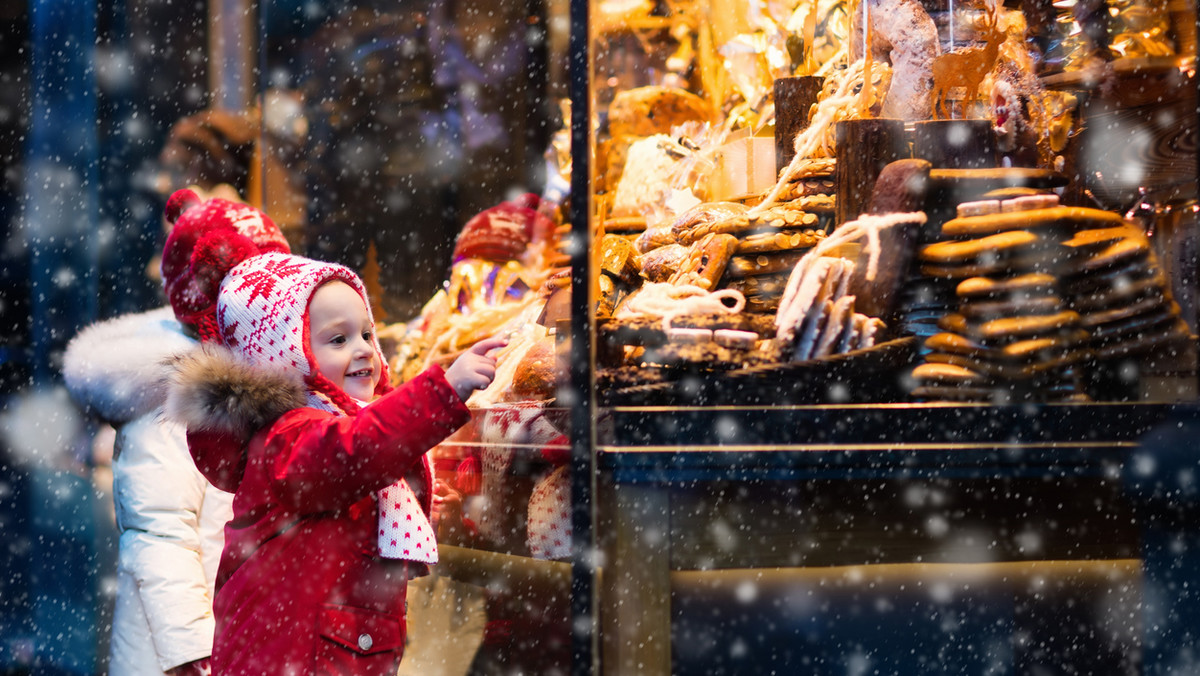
(89, 221)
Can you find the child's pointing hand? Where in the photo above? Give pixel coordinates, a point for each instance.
(475, 368)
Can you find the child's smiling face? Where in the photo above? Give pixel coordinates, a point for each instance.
(342, 340)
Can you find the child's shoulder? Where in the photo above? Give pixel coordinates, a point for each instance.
(213, 388)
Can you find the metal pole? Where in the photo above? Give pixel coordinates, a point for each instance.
(231, 50)
(584, 634)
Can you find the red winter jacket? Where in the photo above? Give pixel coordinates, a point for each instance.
(301, 589)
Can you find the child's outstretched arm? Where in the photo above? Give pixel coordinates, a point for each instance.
(475, 368)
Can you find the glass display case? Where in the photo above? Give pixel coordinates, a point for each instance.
(914, 506)
(965, 493)
(844, 337)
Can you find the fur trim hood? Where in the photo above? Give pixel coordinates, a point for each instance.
(116, 368)
(212, 389)
(223, 400)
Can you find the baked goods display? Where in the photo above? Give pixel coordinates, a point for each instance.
(1005, 293)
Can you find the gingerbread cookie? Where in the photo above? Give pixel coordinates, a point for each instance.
(1100, 282)
(763, 264)
(949, 374)
(1011, 329)
(1098, 238)
(1065, 219)
(991, 265)
(1015, 305)
(1147, 305)
(1172, 332)
(1033, 283)
(1123, 290)
(992, 247)
(1122, 252)
(776, 242)
(706, 261)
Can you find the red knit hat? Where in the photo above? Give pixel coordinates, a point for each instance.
(501, 233)
(207, 240)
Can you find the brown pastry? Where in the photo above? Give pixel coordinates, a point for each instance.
(763, 264)
(759, 285)
(795, 215)
(645, 111)
(706, 261)
(620, 259)
(609, 295)
(654, 237)
(808, 187)
(536, 376)
(901, 187)
(625, 224)
(777, 242)
(659, 264)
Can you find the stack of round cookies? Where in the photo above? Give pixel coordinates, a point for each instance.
(1122, 297)
(773, 242)
(1013, 337)
(1045, 295)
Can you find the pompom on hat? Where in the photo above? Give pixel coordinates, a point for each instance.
(208, 238)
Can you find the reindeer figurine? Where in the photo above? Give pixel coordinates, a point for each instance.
(966, 68)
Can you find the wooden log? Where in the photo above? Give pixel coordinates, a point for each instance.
(955, 144)
(864, 148)
(794, 98)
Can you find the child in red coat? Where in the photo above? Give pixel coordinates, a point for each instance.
(288, 405)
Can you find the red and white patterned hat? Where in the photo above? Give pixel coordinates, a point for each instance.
(262, 314)
(207, 239)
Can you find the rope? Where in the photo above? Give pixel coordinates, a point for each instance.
(670, 301)
(808, 140)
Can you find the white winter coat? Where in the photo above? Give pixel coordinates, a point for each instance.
(170, 519)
